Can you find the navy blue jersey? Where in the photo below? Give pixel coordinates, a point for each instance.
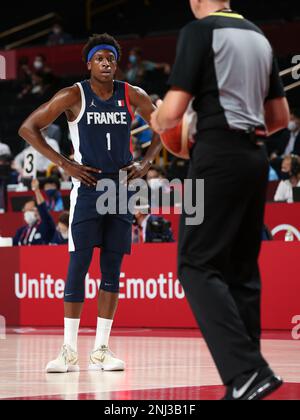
(101, 133)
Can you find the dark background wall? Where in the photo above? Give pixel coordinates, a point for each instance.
(137, 16)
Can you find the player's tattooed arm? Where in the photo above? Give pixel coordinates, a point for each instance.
(143, 105)
(66, 101)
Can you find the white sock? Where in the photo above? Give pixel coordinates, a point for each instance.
(103, 332)
(71, 332)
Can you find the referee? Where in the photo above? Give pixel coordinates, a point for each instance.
(226, 64)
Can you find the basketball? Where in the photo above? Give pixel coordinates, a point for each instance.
(178, 140)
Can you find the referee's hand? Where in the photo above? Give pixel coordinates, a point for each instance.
(154, 123)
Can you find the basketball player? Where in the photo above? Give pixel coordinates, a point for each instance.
(99, 113)
(226, 64)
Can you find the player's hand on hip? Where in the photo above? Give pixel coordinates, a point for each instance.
(82, 173)
(136, 170)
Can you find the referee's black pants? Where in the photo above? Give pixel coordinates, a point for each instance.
(218, 260)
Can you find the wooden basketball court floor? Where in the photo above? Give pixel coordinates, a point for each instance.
(161, 365)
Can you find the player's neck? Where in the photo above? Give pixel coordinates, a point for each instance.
(104, 90)
(207, 8)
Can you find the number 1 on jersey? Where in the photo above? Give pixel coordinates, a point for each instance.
(108, 138)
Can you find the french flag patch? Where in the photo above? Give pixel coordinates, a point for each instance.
(121, 103)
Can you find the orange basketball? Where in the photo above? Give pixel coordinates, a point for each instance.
(177, 141)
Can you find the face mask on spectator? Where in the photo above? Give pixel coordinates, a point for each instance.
(292, 126)
(38, 64)
(56, 30)
(51, 193)
(285, 176)
(132, 59)
(30, 217)
(65, 235)
(156, 183)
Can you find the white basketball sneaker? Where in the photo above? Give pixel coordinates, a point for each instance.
(104, 359)
(67, 361)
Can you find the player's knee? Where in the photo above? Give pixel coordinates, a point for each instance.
(110, 283)
(74, 297)
(111, 268)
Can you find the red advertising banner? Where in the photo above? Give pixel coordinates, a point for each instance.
(32, 287)
(279, 217)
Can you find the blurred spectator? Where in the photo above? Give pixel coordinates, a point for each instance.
(293, 146)
(42, 163)
(55, 171)
(144, 138)
(272, 175)
(54, 132)
(178, 168)
(40, 227)
(4, 149)
(284, 191)
(285, 143)
(40, 64)
(54, 199)
(162, 193)
(58, 36)
(137, 67)
(61, 236)
(24, 71)
(41, 78)
(151, 229)
(156, 178)
(58, 173)
(38, 86)
(5, 172)
(24, 76)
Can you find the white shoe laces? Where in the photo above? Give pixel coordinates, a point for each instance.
(66, 354)
(104, 351)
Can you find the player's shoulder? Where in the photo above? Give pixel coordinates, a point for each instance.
(69, 95)
(231, 20)
(136, 91)
(72, 91)
(196, 30)
(197, 25)
(250, 25)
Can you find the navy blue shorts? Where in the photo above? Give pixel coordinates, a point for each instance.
(89, 229)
